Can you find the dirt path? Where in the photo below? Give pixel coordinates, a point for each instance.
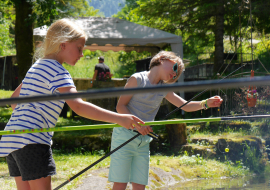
(158, 178)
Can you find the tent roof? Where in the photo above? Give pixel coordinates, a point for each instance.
(117, 34)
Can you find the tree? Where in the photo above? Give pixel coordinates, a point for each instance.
(200, 23)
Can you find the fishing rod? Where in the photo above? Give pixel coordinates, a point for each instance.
(107, 126)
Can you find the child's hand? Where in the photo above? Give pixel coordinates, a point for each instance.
(145, 130)
(130, 121)
(214, 101)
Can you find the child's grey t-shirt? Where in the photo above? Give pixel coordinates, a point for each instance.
(146, 105)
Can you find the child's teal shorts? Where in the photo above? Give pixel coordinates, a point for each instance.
(131, 162)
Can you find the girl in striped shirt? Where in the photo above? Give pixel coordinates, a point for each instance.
(29, 156)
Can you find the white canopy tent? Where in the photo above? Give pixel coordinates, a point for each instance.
(115, 34)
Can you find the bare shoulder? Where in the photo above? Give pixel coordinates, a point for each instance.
(131, 83)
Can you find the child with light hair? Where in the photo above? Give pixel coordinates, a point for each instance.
(29, 155)
(131, 162)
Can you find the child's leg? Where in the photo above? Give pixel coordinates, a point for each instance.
(121, 160)
(140, 167)
(119, 186)
(136, 186)
(22, 185)
(40, 184)
(32, 166)
(43, 183)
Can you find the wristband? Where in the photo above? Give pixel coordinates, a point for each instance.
(206, 106)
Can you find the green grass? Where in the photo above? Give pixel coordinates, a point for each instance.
(5, 93)
(70, 164)
(197, 167)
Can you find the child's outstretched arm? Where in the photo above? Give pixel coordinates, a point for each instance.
(176, 100)
(91, 111)
(123, 102)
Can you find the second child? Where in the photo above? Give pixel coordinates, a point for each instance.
(131, 162)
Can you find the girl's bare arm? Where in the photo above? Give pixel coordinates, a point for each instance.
(91, 111)
(176, 100)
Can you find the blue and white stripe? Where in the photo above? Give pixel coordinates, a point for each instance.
(44, 77)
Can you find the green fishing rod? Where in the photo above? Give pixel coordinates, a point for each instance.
(108, 126)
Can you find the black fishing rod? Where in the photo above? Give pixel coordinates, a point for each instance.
(131, 139)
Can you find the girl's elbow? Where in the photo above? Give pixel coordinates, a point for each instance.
(117, 108)
(120, 108)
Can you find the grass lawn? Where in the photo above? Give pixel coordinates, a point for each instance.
(70, 164)
(5, 93)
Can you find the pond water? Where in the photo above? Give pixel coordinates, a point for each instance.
(248, 183)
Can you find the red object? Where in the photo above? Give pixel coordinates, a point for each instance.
(252, 102)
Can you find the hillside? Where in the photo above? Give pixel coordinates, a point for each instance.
(108, 7)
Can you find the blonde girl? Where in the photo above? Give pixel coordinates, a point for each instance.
(29, 156)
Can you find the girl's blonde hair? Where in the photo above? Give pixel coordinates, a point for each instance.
(63, 30)
(168, 55)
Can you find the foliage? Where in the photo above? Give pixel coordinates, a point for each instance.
(254, 160)
(127, 62)
(196, 22)
(6, 42)
(6, 23)
(5, 113)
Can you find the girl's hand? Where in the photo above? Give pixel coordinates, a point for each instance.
(130, 121)
(214, 101)
(145, 130)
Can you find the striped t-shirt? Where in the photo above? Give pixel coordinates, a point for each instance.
(44, 77)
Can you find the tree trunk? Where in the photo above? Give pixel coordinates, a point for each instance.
(24, 36)
(177, 135)
(218, 61)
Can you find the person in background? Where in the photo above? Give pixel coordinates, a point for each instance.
(101, 70)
